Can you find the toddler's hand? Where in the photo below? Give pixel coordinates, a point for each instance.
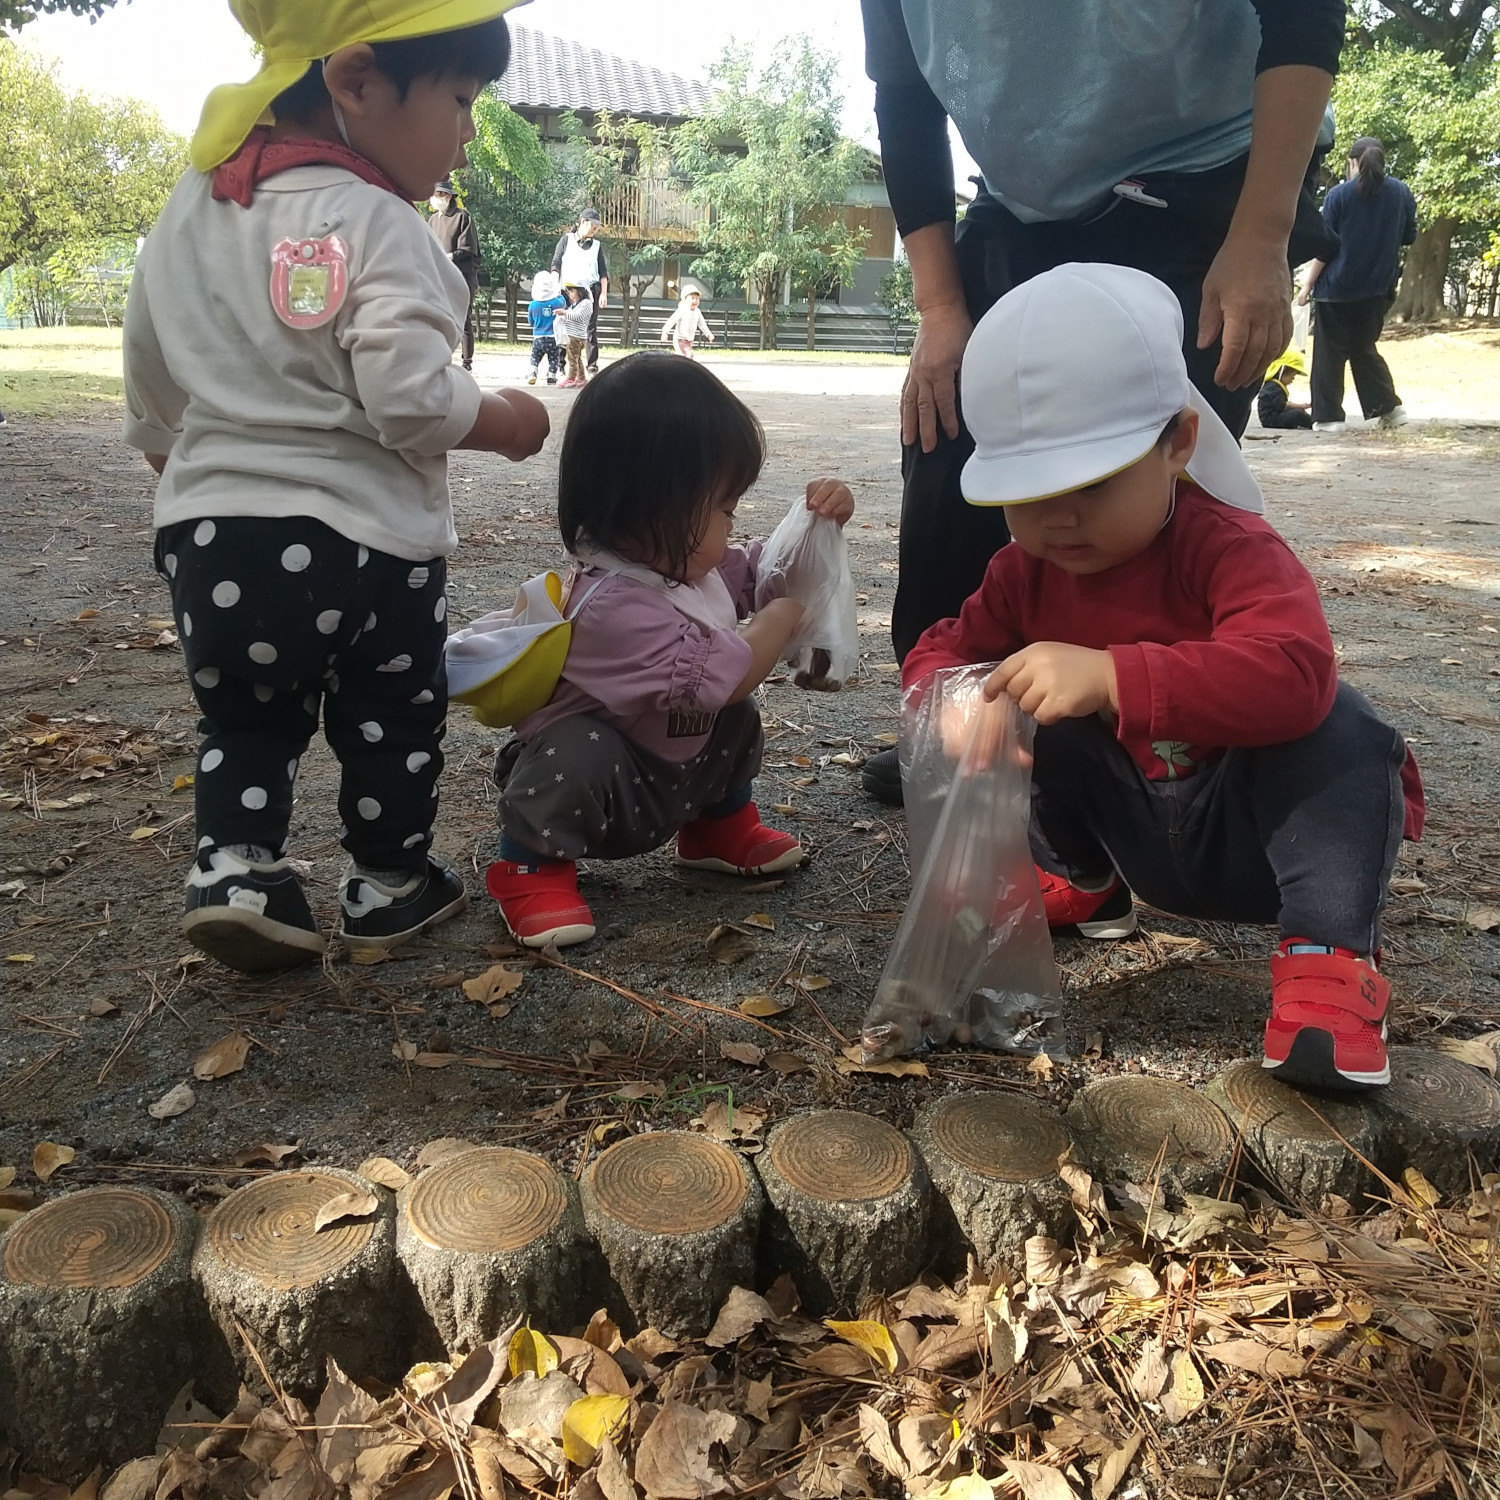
(1052, 681)
(830, 497)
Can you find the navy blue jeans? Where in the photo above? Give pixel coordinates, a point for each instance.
(1302, 835)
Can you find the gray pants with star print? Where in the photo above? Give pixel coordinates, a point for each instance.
(280, 618)
(580, 790)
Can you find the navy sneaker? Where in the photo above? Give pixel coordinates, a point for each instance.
(251, 917)
(377, 915)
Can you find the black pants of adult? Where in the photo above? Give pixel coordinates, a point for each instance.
(282, 617)
(592, 359)
(945, 543)
(471, 275)
(1345, 333)
(1303, 834)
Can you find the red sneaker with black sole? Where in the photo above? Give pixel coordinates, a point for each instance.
(1328, 1018)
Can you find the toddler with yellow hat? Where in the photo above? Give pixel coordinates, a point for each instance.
(289, 374)
(1194, 743)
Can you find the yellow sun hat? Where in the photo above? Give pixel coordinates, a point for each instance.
(1292, 360)
(294, 34)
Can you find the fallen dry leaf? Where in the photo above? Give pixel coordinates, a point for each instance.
(7, 1176)
(871, 1338)
(383, 1170)
(742, 1311)
(176, 1101)
(357, 1204)
(1483, 918)
(875, 1434)
(808, 982)
(587, 1423)
(270, 1153)
(532, 1351)
(494, 984)
(762, 1006)
(49, 1157)
(404, 1051)
(787, 1062)
(743, 1052)
(144, 833)
(440, 1149)
(762, 920)
(674, 1460)
(226, 1056)
(99, 1006)
(1038, 1481)
(848, 1061)
(728, 943)
(1477, 1051)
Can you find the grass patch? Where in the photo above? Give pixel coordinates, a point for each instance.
(60, 372)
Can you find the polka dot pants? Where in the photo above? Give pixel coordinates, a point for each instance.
(281, 619)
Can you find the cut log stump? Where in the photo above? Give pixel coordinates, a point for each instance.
(100, 1326)
(1305, 1143)
(301, 1293)
(848, 1203)
(488, 1236)
(676, 1217)
(1138, 1129)
(1440, 1116)
(993, 1159)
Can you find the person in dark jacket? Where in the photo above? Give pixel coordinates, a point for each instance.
(454, 228)
(1274, 405)
(1175, 139)
(1375, 217)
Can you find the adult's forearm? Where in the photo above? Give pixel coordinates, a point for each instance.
(1286, 115)
(935, 277)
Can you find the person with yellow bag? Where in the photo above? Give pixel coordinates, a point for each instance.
(288, 373)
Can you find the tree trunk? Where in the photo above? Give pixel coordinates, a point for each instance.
(1139, 1128)
(512, 294)
(1420, 298)
(1440, 1116)
(847, 1211)
(768, 291)
(812, 320)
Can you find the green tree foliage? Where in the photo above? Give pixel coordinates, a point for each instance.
(76, 178)
(1424, 77)
(775, 195)
(897, 295)
(520, 196)
(14, 14)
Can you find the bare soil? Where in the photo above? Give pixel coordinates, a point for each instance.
(104, 1007)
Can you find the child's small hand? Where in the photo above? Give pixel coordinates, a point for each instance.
(509, 423)
(830, 497)
(1052, 681)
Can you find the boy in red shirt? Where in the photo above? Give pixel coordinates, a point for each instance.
(1194, 744)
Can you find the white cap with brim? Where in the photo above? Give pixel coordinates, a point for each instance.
(1071, 377)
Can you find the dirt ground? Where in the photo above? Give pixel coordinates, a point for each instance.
(104, 1007)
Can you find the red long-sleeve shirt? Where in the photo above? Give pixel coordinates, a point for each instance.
(1216, 631)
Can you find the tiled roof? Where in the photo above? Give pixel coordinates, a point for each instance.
(550, 72)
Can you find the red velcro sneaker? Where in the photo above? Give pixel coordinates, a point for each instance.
(737, 845)
(540, 903)
(1109, 913)
(1328, 1019)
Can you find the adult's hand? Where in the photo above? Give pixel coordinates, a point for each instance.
(929, 396)
(1247, 297)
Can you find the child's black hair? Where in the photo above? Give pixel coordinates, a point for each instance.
(481, 52)
(651, 443)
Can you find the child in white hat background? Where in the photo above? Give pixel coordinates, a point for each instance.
(288, 373)
(1194, 744)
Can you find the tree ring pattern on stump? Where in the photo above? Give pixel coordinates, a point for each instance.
(1257, 1100)
(669, 1183)
(99, 1238)
(486, 1200)
(841, 1157)
(266, 1230)
(1431, 1087)
(1000, 1136)
(1140, 1114)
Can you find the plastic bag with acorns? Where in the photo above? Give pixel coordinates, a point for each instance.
(972, 961)
(807, 559)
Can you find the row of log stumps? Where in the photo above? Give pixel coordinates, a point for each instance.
(112, 1298)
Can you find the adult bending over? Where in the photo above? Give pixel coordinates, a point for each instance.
(1176, 140)
(579, 261)
(1374, 216)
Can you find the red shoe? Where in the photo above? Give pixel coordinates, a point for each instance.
(1328, 1014)
(1109, 913)
(738, 845)
(540, 903)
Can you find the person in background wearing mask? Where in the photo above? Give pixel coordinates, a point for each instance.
(454, 228)
(579, 261)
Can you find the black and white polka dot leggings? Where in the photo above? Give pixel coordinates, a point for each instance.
(279, 617)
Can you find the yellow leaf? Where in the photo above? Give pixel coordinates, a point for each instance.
(1422, 1191)
(760, 919)
(871, 1338)
(1187, 1384)
(48, 1157)
(368, 955)
(144, 833)
(20, 958)
(383, 1170)
(808, 981)
(182, 783)
(849, 1061)
(763, 1005)
(965, 1487)
(587, 1423)
(530, 1350)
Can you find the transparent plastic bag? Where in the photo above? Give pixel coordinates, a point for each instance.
(807, 559)
(972, 958)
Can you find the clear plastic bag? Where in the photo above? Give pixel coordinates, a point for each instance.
(972, 958)
(807, 559)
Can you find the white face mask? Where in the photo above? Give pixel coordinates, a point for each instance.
(438, 203)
